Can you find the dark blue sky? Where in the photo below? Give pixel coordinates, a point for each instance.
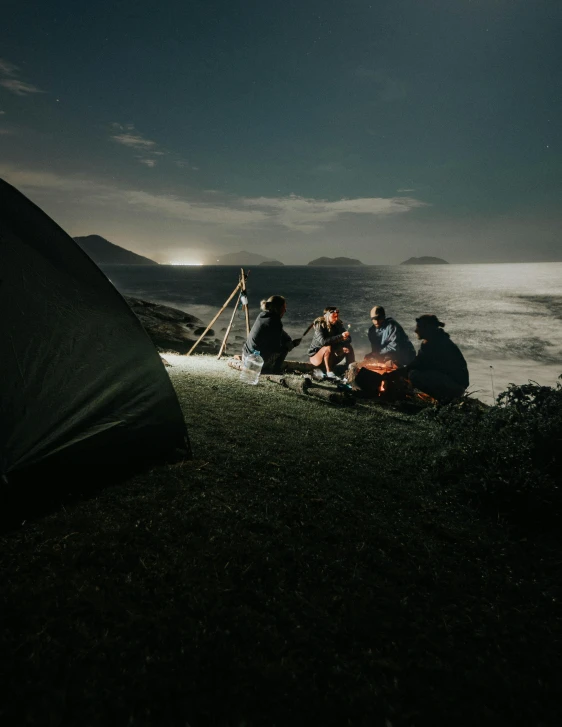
(378, 129)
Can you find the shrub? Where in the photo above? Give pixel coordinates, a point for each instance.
(507, 457)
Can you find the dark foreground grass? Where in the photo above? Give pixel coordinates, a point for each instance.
(306, 568)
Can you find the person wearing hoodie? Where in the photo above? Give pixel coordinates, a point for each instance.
(268, 337)
(388, 340)
(439, 369)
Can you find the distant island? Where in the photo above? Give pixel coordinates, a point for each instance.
(273, 263)
(335, 261)
(104, 252)
(245, 258)
(424, 260)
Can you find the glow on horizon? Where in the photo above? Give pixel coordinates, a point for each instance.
(181, 262)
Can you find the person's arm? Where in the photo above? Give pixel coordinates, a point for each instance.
(391, 343)
(323, 334)
(373, 340)
(338, 337)
(403, 371)
(287, 342)
(420, 361)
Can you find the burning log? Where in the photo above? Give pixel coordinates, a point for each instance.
(385, 383)
(375, 380)
(367, 380)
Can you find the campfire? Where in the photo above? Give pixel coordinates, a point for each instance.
(385, 387)
(387, 390)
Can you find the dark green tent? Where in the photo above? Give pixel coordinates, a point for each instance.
(81, 384)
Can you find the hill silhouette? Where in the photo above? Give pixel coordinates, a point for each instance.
(104, 252)
(336, 261)
(424, 260)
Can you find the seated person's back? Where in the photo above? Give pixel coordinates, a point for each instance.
(267, 335)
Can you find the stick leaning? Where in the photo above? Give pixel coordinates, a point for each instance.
(236, 289)
(225, 339)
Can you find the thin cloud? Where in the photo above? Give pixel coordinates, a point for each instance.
(11, 82)
(405, 190)
(122, 127)
(128, 136)
(298, 214)
(132, 139)
(5, 132)
(182, 164)
(97, 193)
(20, 88)
(135, 141)
(7, 69)
(307, 215)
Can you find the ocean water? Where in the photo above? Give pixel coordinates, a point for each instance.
(506, 318)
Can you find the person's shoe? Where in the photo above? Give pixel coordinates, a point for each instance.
(318, 374)
(331, 376)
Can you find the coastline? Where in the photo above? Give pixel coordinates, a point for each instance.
(177, 329)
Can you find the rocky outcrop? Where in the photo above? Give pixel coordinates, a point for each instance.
(336, 261)
(425, 260)
(172, 329)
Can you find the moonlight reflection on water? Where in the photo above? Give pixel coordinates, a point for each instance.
(508, 316)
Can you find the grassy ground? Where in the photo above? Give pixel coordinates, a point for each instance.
(305, 568)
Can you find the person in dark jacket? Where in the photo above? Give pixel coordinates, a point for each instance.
(331, 342)
(268, 337)
(388, 340)
(439, 369)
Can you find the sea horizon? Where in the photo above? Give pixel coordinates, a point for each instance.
(505, 317)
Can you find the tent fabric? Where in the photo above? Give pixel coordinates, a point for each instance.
(80, 380)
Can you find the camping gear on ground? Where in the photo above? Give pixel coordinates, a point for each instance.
(252, 364)
(81, 384)
(241, 300)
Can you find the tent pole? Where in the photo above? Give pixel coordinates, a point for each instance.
(225, 339)
(236, 289)
(245, 305)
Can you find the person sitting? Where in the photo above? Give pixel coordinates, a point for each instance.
(439, 369)
(268, 337)
(331, 342)
(388, 340)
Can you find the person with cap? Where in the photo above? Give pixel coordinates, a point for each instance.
(331, 342)
(439, 369)
(388, 340)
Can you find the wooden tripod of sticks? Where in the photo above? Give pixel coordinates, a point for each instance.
(241, 300)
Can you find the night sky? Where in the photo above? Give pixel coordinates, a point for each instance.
(297, 128)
